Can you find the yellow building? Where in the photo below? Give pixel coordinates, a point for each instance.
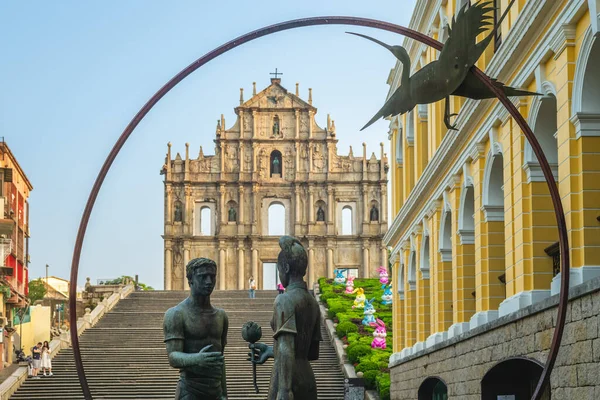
(474, 235)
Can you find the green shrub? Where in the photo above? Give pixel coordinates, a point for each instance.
(370, 378)
(365, 366)
(335, 309)
(344, 328)
(326, 296)
(383, 386)
(356, 351)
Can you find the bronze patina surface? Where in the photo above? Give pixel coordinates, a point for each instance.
(196, 335)
(296, 324)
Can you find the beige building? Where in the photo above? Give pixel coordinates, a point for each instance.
(275, 171)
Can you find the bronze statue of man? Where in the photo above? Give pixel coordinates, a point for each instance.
(196, 335)
(297, 326)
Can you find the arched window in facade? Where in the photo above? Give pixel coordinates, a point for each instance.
(276, 163)
(205, 221)
(433, 389)
(276, 219)
(347, 221)
(516, 377)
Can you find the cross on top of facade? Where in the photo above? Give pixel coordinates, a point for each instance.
(276, 73)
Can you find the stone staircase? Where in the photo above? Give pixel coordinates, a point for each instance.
(125, 357)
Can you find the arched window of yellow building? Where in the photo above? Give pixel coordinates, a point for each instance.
(412, 269)
(425, 257)
(466, 220)
(493, 188)
(446, 236)
(401, 282)
(542, 119)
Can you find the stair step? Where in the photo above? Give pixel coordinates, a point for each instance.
(124, 355)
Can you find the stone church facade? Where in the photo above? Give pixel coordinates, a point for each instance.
(274, 166)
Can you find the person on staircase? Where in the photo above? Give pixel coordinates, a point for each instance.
(252, 286)
(46, 360)
(36, 353)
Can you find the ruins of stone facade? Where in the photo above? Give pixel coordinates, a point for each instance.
(275, 155)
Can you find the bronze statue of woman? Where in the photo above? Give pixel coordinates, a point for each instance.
(296, 325)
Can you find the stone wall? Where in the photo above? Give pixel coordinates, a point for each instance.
(463, 361)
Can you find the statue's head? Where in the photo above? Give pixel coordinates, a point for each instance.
(201, 274)
(292, 260)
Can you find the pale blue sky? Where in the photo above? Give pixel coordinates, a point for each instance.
(73, 74)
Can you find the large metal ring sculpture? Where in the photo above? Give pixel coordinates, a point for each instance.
(386, 26)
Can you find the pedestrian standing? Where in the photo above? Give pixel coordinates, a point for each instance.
(37, 359)
(252, 286)
(46, 361)
(280, 288)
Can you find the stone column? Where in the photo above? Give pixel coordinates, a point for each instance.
(310, 157)
(240, 266)
(311, 264)
(297, 193)
(254, 133)
(330, 262)
(222, 268)
(384, 257)
(188, 222)
(255, 265)
(366, 269)
(365, 192)
(297, 113)
(186, 260)
(330, 205)
(255, 208)
(384, 205)
(311, 208)
(241, 205)
(168, 265)
(241, 114)
(311, 114)
(222, 152)
(168, 212)
(222, 210)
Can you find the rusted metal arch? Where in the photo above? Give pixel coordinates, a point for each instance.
(297, 23)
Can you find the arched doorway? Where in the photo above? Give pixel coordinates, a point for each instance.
(433, 389)
(514, 379)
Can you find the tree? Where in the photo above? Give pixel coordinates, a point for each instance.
(37, 290)
(126, 279)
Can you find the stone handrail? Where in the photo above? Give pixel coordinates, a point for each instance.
(91, 318)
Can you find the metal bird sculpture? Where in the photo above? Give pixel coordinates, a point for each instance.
(451, 73)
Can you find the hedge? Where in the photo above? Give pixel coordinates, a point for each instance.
(373, 363)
